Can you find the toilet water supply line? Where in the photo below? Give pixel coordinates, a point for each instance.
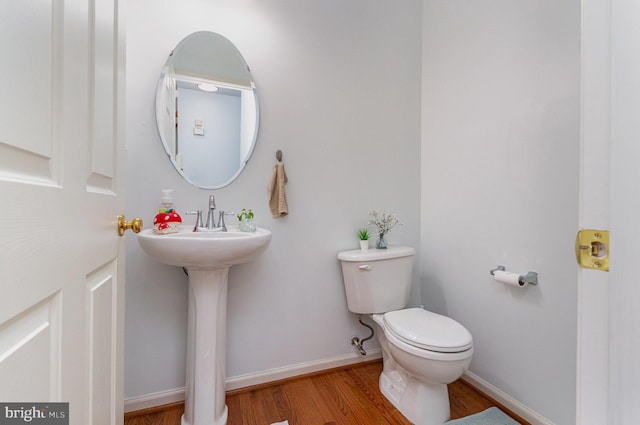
(357, 342)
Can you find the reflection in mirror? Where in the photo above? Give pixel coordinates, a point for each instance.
(207, 110)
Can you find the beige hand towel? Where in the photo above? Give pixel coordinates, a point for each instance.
(278, 200)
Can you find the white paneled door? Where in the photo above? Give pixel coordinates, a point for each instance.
(609, 303)
(592, 386)
(61, 182)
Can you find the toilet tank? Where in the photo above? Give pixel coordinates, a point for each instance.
(377, 280)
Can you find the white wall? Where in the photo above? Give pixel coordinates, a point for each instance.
(500, 153)
(338, 84)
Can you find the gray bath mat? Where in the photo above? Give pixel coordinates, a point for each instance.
(491, 416)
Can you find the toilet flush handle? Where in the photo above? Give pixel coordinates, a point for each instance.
(365, 267)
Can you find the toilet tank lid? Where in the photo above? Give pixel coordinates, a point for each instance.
(376, 254)
(427, 330)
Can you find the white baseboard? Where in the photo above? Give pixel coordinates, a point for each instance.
(248, 380)
(507, 401)
(152, 400)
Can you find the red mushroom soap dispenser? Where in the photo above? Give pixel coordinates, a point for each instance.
(167, 220)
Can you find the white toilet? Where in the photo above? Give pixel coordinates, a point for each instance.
(422, 352)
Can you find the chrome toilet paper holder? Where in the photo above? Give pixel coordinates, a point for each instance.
(531, 277)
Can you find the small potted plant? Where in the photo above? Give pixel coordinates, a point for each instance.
(363, 235)
(247, 223)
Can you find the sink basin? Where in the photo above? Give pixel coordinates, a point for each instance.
(204, 250)
(207, 256)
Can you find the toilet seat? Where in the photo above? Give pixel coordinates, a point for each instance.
(425, 330)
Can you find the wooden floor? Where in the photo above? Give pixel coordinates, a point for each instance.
(344, 396)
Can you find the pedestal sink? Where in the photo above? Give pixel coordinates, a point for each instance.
(207, 257)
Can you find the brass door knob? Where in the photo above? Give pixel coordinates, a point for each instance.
(124, 225)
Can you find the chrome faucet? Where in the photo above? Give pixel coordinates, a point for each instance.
(210, 219)
(210, 225)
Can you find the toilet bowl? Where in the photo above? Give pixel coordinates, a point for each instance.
(416, 371)
(422, 351)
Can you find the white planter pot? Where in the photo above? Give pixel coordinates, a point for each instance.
(364, 245)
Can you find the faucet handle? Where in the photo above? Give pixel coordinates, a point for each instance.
(221, 215)
(198, 214)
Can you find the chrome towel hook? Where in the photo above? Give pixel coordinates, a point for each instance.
(279, 155)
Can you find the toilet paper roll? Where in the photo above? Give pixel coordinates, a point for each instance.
(508, 278)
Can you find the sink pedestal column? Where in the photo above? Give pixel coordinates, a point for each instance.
(206, 348)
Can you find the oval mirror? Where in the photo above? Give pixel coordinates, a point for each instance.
(207, 110)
